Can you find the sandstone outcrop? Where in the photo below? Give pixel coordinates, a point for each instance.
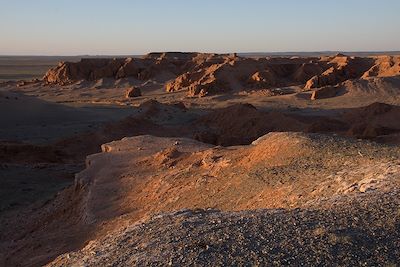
(209, 74)
(92, 69)
(87, 69)
(340, 69)
(236, 74)
(343, 68)
(165, 174)
(385, 66)
(200, 74)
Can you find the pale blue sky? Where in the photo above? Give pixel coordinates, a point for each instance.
(76, 27)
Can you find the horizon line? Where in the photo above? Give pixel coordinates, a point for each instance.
(256, 52)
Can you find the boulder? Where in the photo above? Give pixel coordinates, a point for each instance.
(325, 92)
(133, 92)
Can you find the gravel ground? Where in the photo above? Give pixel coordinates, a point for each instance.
(357, 230)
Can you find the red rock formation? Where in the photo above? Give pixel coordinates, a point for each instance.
(130, 68)
(235, 73)
(385, 66)
(96, 68)
(207, 74)
(341, 68)
(86, 69)
(264, 79)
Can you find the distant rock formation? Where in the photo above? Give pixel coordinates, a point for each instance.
(385, 66)
(92, 69)
(87, 69)
(340, 69)
(208, 74)
(234, 73)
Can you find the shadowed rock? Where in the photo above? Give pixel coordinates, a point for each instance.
(133, 92)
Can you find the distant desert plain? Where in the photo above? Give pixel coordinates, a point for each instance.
(258, 159)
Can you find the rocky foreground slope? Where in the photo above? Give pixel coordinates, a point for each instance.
(279, 170)
(330, 199)
(209, 74)
(361, 231)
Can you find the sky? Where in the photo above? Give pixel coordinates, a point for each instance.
(133, 27)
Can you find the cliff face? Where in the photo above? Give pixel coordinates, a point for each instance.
(86, 69)
(207, 74)
(343, 68)
(92, 69)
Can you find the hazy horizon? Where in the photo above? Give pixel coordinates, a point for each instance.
(76, 28)
(240, 53)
